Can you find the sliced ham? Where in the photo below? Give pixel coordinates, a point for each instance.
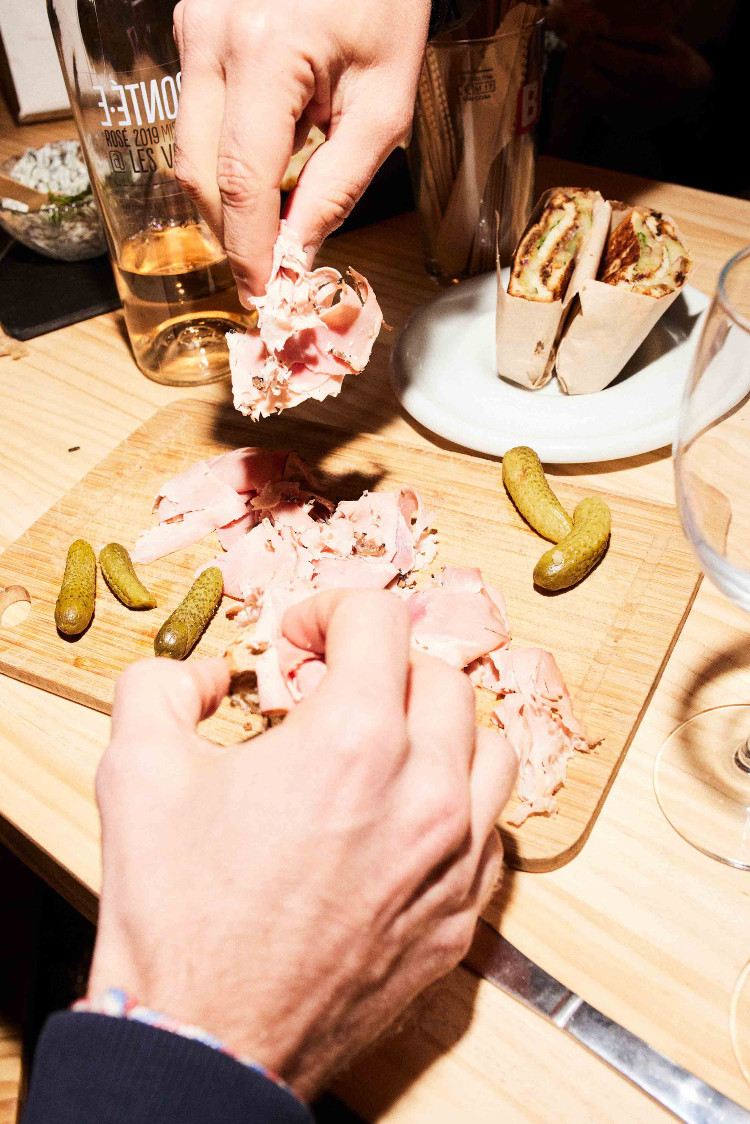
(459, 618)
(296, 516)
(232, 532)
(234, 492)
(278, 492)
(212, 495)
(166, 538)
(249, 469)
(181, 489)
(353, 573)
(265, 555)
(313, 330)
(283, 541)
(536, 714)
(412, 508)
(208, 494)
(378, 525)
(241, 470)
(273, 694)
(284, 672)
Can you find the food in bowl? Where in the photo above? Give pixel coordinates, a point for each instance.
(56, 168)
(68, 227)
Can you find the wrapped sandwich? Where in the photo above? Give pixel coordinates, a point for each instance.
(643, 269)
(559, 251)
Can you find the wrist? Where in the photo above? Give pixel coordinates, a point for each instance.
(116, 1003)
(279, 1039)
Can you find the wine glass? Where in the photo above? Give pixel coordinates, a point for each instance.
(702, 772)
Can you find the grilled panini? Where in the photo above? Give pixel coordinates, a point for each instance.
(546, 256)
(643, 271)
(645, 254)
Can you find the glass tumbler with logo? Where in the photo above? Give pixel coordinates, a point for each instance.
(122, 71)
(472, 148)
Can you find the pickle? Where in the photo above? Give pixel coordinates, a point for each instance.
(572, 559)
(527, 486)
(183, 629)
(118, 573)
(75, 601)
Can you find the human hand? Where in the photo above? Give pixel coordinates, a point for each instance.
(256, 74)
(293, 894)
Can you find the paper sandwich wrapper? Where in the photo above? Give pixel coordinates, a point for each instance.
(525, 331)
(607, 325)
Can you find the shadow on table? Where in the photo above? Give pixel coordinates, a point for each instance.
(734, 658)
(697, 697)
(432, 1027)
(312, 441)
(673, 329)
(621, 464)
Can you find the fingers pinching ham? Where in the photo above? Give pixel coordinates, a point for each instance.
(282, 542)
(314, 328)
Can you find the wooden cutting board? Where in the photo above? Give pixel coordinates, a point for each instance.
(611, 635)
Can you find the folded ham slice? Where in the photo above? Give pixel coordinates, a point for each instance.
(460, 618)
(314, 328)
(212, 495)
(166, 538)
(353, 573)
(265, 555)
(233, 532)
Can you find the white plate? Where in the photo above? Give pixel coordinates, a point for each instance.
(443, 371)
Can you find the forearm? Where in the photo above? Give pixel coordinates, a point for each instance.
(90, 1067)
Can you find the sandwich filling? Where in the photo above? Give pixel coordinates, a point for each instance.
(645, 254)
(546, 256)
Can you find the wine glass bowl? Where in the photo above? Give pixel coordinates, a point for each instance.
(702, 772)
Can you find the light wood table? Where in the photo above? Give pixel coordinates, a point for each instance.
(642, 925)
(10, 1070)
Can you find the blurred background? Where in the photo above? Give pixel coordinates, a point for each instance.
(651, 87)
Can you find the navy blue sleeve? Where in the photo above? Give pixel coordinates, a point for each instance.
(93, 1069)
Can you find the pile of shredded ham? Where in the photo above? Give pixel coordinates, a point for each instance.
(535, 712)
(282, 541)
(313, 329)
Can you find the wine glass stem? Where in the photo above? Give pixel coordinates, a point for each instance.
(742, 756)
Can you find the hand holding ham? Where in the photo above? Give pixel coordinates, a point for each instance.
(256, 75)
(293, 894)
